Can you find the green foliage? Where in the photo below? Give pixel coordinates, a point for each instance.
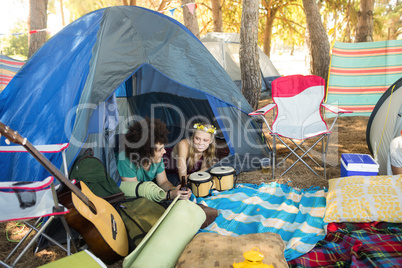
(231, 16)
(289, 25)
(16, 45)
(339, 17)
(387, 22)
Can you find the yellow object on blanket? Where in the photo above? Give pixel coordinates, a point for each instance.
(147, 189)
(364, 199)
(218, 251)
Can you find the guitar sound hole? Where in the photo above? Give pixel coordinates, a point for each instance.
(92, 207)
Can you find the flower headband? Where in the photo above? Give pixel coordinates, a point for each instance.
(211, 129)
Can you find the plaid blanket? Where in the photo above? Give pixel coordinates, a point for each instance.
(356, 245)
(296, 215)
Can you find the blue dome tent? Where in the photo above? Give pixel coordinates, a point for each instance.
(110, 67)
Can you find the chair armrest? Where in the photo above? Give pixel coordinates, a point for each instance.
(35, 185)
(47, 148)
(335, 109)
(50, 148)
(264, 110)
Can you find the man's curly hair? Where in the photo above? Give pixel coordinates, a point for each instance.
(141, 140)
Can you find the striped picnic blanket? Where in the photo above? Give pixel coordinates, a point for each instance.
(296, 215)
(361, 72)
(356, 245)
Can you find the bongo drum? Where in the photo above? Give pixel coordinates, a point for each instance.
(223, 178)
(200, 183)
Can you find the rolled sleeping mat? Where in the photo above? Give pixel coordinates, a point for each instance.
(147, 189)
(166, 240)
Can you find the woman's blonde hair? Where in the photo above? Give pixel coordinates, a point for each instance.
(209, 154)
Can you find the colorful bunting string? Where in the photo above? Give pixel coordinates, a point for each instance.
(30, 32)
(37, 31)
(191, 7)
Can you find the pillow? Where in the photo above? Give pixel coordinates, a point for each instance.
(364, 199)
(214, 250)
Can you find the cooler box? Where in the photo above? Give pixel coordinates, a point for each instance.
(358, 164)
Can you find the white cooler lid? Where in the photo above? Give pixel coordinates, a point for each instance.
(359, 162)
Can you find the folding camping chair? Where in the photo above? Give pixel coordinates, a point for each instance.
(20, 201)
(298, 101)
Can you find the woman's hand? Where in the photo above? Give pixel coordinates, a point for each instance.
(184, 195)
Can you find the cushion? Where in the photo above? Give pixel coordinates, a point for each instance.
(364, 199)
(214, 250)
(164, 243)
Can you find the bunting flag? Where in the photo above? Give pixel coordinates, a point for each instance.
(361, 72)
(172, 11)
(191, 7)
(8, 68)
(37, 31)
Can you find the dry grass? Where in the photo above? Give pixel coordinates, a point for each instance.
(349, 136)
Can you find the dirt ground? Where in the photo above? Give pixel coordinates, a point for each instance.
(349, 136)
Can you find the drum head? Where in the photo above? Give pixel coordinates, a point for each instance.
(222, 170)
(199, 177)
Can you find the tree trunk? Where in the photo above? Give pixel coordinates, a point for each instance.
(393, 29)
(63, 21)
(217, 15)
(190, 20)
(249, 57)
(365, 23)
(269, 23)
(317, 40)
(162, 5)
(347, 30)
(37, 21)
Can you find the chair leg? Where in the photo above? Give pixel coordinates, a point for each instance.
(273, 155)
(324, 153)
(298, 146)
(5, 264)
(300, 158)
(22, 240)
(33, 240)
(70, 239)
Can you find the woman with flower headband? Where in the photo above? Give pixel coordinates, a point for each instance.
(194, 154)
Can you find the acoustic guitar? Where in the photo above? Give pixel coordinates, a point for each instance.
(93, 217)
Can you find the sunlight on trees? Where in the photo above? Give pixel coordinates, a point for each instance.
(16, 45)
(281, 23)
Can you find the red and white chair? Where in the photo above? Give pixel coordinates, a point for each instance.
(298, 101)
(23, 201)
